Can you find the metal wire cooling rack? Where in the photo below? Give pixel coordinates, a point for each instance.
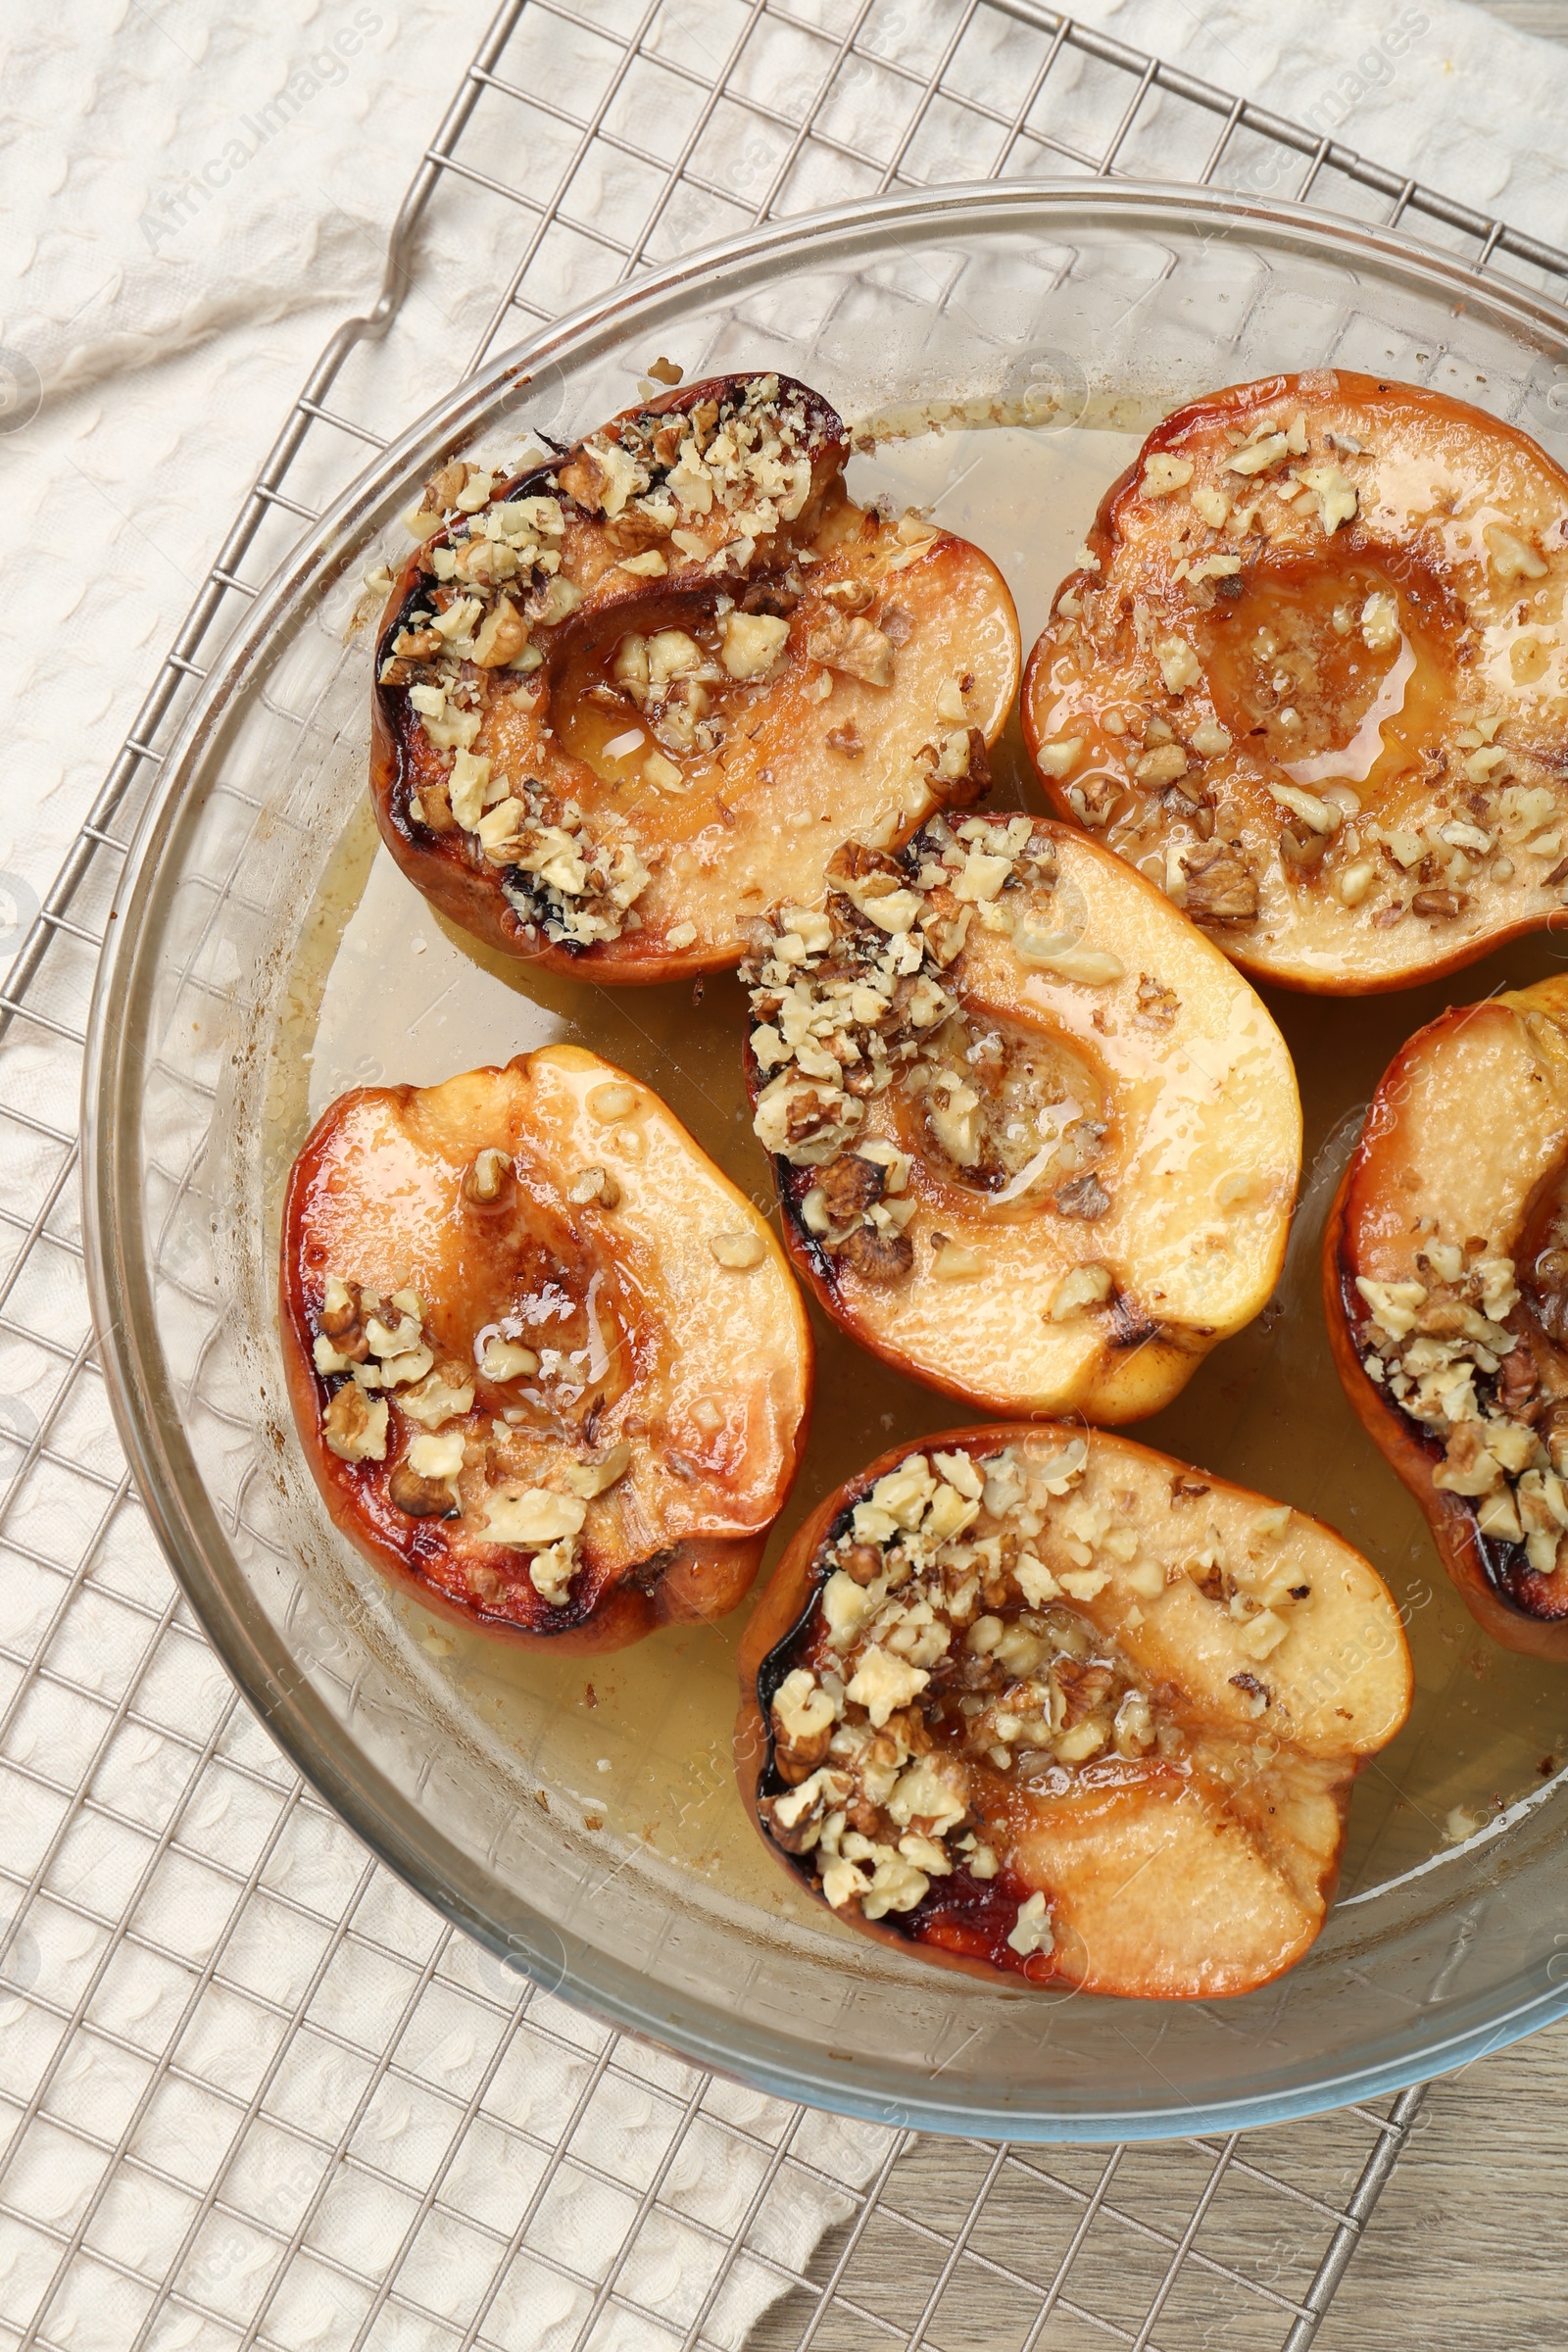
(330, 2121)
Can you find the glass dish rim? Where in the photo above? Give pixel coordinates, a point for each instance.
(251, 1651)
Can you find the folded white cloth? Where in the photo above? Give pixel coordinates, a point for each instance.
(195, 195)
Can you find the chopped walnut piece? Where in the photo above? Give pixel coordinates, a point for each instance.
(506, 1359)
(444, 1394)
(1083, 1687)
(420, 1497)
(595, 1184)
(1157, 1004)
(809, 1115)
(803, 1724)
(851, 645)
(340, 1320)
(738, 1251)
(594, 1478)
(883, 1259)
(421, 643)
(960, 770)
(1084, 1196)
(1164, 472)
(501, 635)
(1301, 847)
(598, 479)
(1518, 1386)
(432, 808)
(1439, 906)
(856, 861)
(445, 487)
(485, 1179)
(1080, 1288)
(951, 1261)
(533, 1518)
(849, 1184)
(1221, 887)
(753, 643)
(1032, 1931)
(609, 1105)
(1256, 1694)
(355, 1425)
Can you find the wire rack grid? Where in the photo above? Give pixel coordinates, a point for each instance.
(337, 2122)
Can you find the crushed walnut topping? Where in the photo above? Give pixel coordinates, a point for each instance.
(1453, 1352)
(866, 994)
(395, 1398)
(702, 489)
(951, 1662)
(476, 627)
(574, 886)
(941, 1646)
(485, 592)
(740, 463)
(665, 680)
(1306, 694)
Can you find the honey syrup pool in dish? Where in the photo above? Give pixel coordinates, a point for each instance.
(634, 1750)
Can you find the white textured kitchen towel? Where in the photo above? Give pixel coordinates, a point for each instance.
(195, 192)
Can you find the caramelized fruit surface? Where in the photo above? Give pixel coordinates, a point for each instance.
(625, 702)
(1315, 680)
(1041, 1703)
(546, 1363)
(1446, 1274)
(1036, 1142)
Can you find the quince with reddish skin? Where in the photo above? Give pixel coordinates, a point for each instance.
(548, 1368)
(1445, 1282)
(1314, 678)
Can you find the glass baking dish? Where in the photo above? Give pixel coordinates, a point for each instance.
(1000, 352)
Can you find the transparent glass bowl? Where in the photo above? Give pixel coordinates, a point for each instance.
(580, 1817)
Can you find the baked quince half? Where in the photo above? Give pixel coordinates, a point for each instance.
(1313, 678)
(634, 697)
(1445, 1272)
(1040, 1704)
(549, 1367)
(1036, 1140)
